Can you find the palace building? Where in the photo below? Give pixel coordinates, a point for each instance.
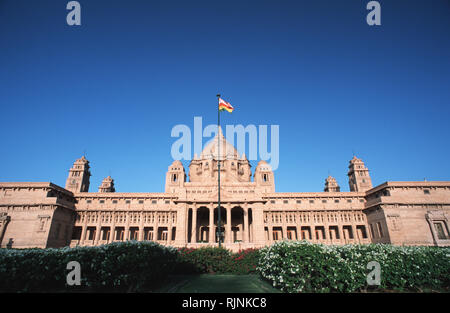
(253, 215)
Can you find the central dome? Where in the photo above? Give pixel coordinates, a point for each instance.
(227, 150)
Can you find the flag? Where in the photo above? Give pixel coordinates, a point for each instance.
(223, 105)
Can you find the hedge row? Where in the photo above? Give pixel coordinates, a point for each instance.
(217, 260)
(299, 266)
(289, 265)
(119, 266)
(124, 266)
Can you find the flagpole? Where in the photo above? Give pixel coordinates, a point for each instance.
(218, 172)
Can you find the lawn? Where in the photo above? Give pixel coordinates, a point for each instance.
(208, 283)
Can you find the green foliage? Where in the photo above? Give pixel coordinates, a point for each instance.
(217, 260)
(299, 266)
(121, 266)
(245, 261)
(292, 266)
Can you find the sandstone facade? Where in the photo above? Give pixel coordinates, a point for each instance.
(252, 213)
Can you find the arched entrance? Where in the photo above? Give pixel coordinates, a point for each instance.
(237, 225)
(223, 222)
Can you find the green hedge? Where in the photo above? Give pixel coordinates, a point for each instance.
(292, 266)
(217, 260)
(299, 266)
(124, 266)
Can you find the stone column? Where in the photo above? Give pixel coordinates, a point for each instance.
(228, 229)
(83, 231)
(284, 225)
(98, 229)
(355, 235)
(346, 235)
(126, 236)
(141, 226)
(211, 224)
(284, 230)
(194, 225)
(169, 228)
(340, 229)
(246, 225)
(186, 224)
(313, 232)
(270, 226)
(155, 226)
(113, 227)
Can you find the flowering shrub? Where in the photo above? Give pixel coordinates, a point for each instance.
(293, 266)
(120, 266)
(245, 261)
(299, 266)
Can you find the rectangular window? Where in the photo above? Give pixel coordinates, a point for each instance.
(290, 235)
(440, 230)
(88, 201)
(299, 201)
(102, 201)
(127, 201)
(141, 201)
(275, 235)
(426, 191)
(114, 201)
(380, 230)
(371, 231)
(285, 201)
(153, 201)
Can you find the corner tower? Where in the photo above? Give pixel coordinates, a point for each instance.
(175, 176)
(331, 185)
(79, 176)
(107, 185)
(358, 176)
(264, 177)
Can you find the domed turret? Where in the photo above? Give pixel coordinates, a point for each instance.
(175, 176)
(233, 168)
(227, 150)
(331, 185)
(107, 185)
(264, 176)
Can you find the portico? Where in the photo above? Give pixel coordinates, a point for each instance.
(203, 223)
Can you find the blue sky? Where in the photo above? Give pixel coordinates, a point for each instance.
(116, 85)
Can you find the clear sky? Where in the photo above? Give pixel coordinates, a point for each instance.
(116, 85)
